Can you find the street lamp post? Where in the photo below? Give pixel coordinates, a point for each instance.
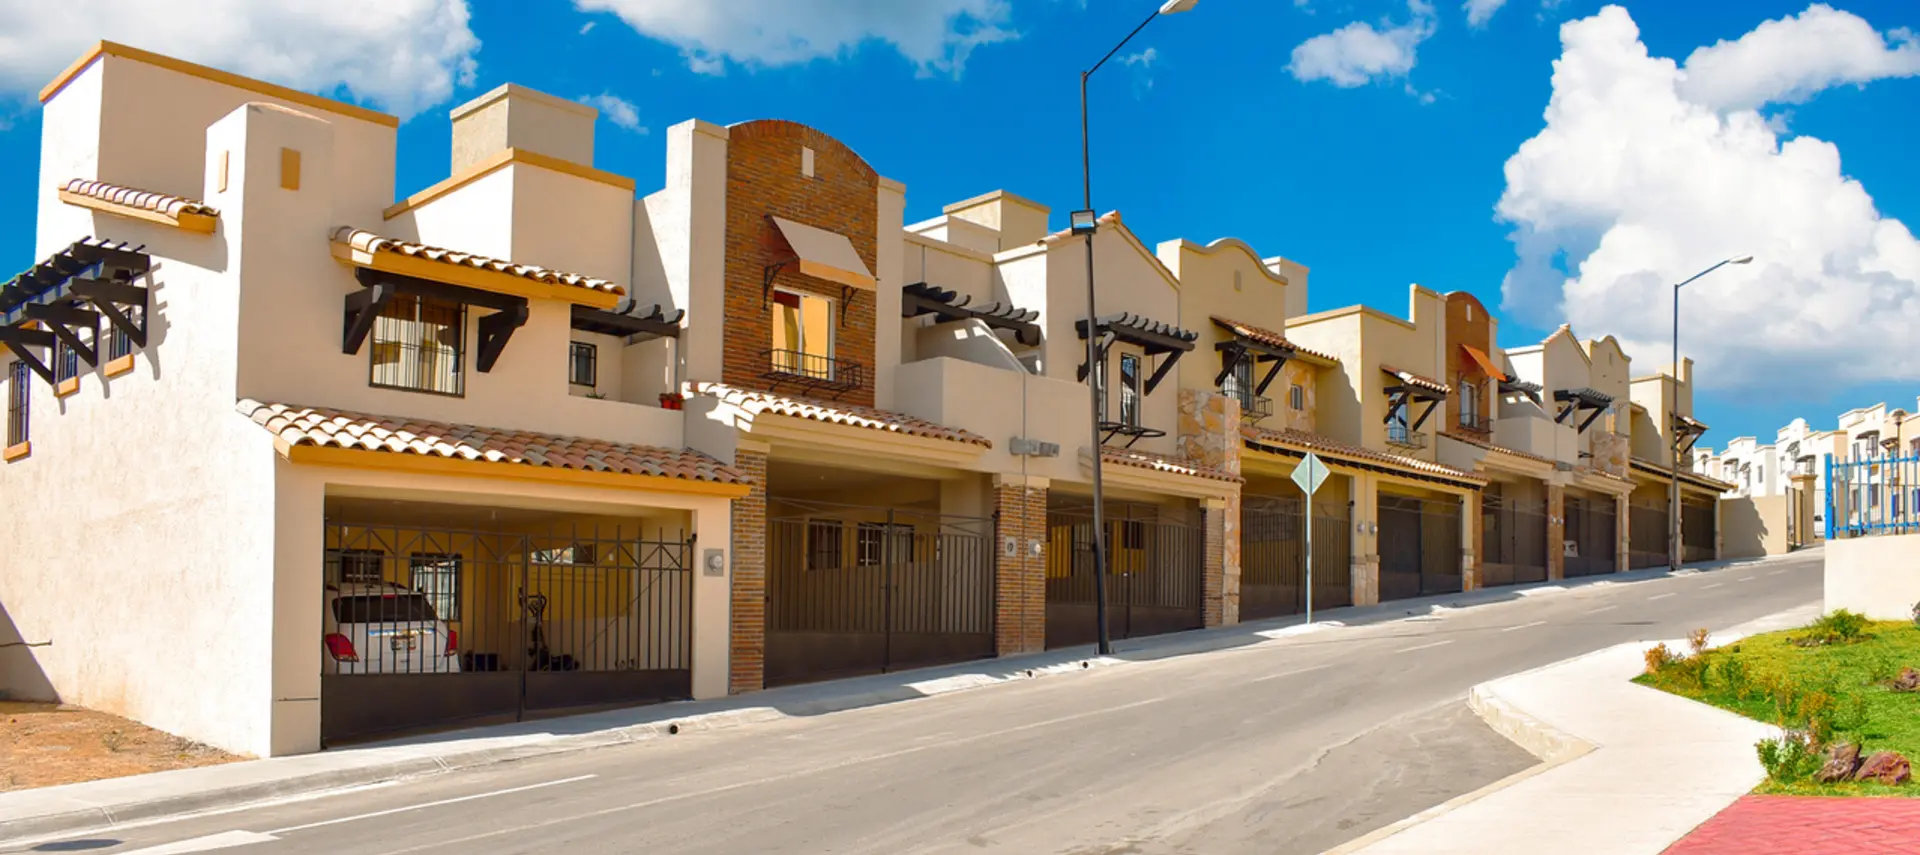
(1673, 420)
(1085, 222)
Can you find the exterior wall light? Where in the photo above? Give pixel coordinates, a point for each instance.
(1083, 222)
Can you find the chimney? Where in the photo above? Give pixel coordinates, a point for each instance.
(513, 116)
(1019, 221)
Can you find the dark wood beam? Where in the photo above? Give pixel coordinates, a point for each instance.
(1160, 373)
(1271, 373)
(1415, 427)
(363, 307)
(18, 339)
(112, 299)
(495, 330)
(66, 321)
(1231, 355)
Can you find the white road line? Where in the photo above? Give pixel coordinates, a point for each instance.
(1662, 596)
(391, 811)
(1744, 579)
(1776, 572)
(1601, 609)
(1423, 646)
(1290, 673)
(1524, 626)
(223, 840)
(1714, 585)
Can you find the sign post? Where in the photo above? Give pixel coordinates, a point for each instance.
(1309, 475)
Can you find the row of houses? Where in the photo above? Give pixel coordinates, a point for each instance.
(1870, 441)
(292, 462)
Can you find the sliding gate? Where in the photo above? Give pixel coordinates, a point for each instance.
(1513, 541)
(854, 590)
(1593, 529)
(1273, 553)
(1419, 547)
(425, 627)
(1154, 578)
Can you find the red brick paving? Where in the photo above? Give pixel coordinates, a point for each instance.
(1808, 825)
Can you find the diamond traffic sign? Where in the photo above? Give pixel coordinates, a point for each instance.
(1310, 474)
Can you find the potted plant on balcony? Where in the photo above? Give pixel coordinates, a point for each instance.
(672, 400)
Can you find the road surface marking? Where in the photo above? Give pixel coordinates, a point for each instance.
(1714, 585)
(1290, 673)
(1776, 572)
(1423, 646)
(1661, 596)
(1524, 626)
(391, 811)
(1744, 579)
(223, 840)
(1601, 609)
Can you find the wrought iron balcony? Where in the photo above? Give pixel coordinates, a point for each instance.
(812, 371)
(1402, 438)
(1254, 407)
(1473, 423)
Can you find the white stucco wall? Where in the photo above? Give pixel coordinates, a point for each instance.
(1876, 576)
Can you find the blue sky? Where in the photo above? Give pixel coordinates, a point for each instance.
(1375, 157)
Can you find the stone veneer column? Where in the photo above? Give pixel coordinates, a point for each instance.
(1365, 544)
(1471, 540)
(746, 670)
(1020, 565)
(1210, 437)
(1556, 531)
(1622, 558)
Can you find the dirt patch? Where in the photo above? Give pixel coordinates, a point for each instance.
(42, 745)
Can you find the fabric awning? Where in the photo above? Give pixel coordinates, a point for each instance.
(1484, 361)
(825, 255)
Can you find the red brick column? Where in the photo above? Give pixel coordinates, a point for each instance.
(1220, 590)
(1020, 566)
(1556, 531)
(748, 655)
(1476, 540)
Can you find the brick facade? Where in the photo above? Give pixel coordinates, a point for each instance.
(1468, 323)
(1020, 578)
(764, 179)
(748, 654)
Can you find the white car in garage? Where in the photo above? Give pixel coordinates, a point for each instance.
(384, 628)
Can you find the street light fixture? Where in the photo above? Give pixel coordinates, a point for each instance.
(1086, 222)
(1673, 420)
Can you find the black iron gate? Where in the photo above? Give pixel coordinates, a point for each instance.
(1155, 574)
(1593, 529)
(1419, 547)
(1513, 541)
(423, 627)
(1697, 534)
(1273, 557)
(854, 590)
(1647, 536)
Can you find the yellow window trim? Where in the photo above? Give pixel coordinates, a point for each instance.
(424, 464)
(472, 277)
(17, 451)
(106, 48)
(187, 222)
(120, 365)
(501, 160)
(66, 387)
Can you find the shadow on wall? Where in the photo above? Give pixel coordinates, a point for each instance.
(20, 676)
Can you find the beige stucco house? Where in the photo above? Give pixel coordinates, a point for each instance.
(1662, 425)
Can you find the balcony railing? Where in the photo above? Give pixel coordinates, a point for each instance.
(1473, 423)
(1254, 407)
(812, 371)
(1400, 437)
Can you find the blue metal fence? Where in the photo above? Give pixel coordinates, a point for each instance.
(1876, 495)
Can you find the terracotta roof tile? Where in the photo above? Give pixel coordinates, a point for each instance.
(836, 413)
(323, 427)
(368, 242)
(1268, 337)
(1481, 443)
(160, 203)
(1413, 379)
(1302, 441)
(1163, 463)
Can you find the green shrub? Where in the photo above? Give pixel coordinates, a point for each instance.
(1732, 676)
(1659, 659)
(1788, 758)
(1840, 627)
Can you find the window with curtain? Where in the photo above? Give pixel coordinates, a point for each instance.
(419, 345)
(803, 334)
(1397, 427)
(1239, 383)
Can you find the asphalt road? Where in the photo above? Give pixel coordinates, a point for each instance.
(1292, 746)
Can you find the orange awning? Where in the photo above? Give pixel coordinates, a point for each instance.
(1486, 363)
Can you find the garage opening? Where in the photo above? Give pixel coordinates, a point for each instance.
(1156, 559)
(1513, 539)
(1273, 554)
(440, 615)
(1593, 535)
(1419, 546)
(1647, 535)
(1697, 530)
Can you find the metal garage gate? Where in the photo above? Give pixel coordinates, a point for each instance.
(1647, 536)
(1513, 541)
(1697, 534)
(854, 590)
(1273, 557)
(1154, 578)
(426, 627)
(1593, 528)
(1419, 547)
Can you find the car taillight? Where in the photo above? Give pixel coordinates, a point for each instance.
(341, 649)
(453, 641)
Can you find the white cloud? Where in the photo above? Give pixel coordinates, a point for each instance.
(1479, 12)
(1144, 59)
(1631, 187)
(1359, 53)
(1791, 59)
(399, 55)
(588, 27)
(936, 35)
(621, 112)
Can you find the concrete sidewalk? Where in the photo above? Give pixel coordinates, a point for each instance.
(122, 801)
(1626, 770)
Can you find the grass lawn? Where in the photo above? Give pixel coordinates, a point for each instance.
(1843, 682)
